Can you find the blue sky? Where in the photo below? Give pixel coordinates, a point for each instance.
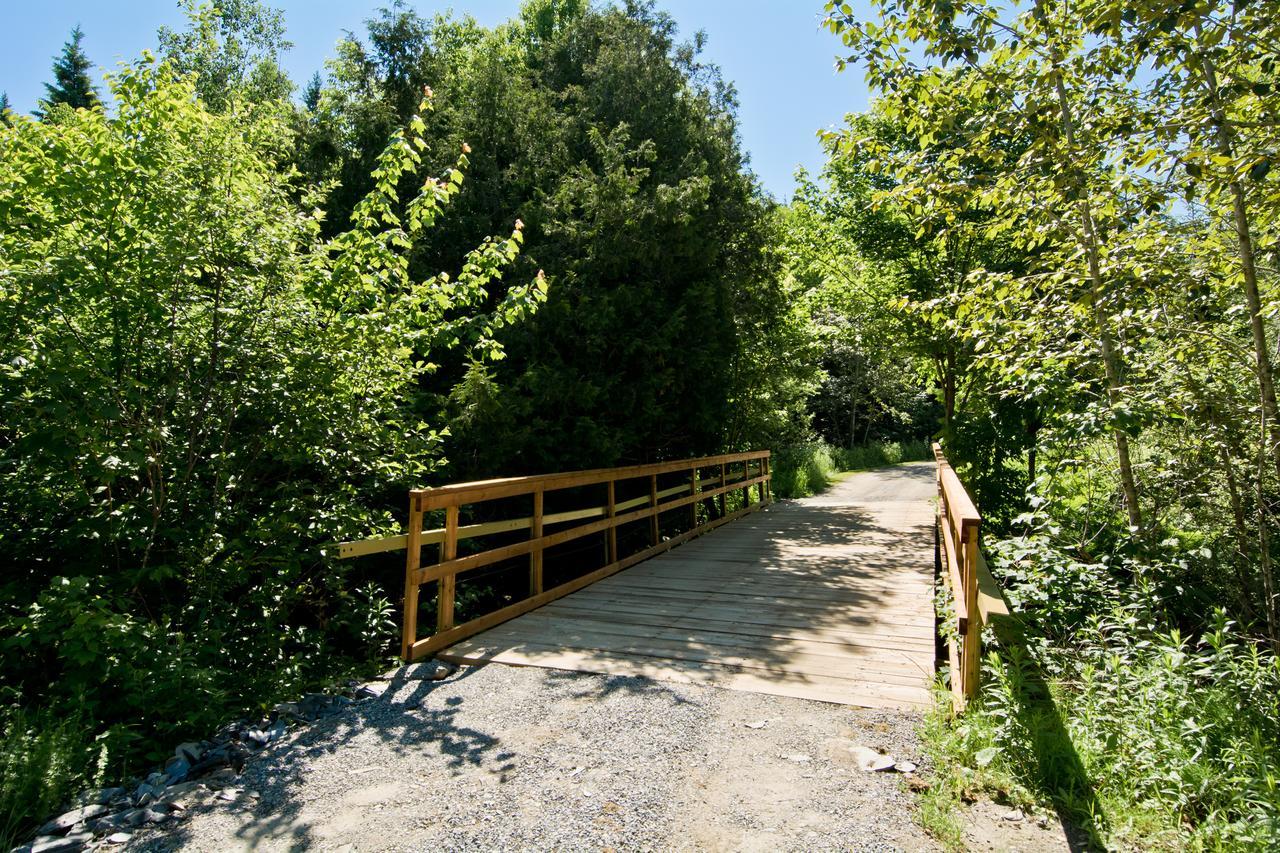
(773, 50)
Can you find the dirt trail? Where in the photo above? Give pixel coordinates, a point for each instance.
(519, 758)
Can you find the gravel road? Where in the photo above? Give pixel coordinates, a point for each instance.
(507, 758)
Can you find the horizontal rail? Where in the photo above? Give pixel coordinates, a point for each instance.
(977, 597)
(364, 547)
(750, 471)
(485, 490)
(519, 549)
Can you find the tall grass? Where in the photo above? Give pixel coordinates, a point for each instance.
(806, 469)
(1141, 738)
(44, 759)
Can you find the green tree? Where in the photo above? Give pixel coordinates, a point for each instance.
(201, 392)
(233, 48)
(71, 83)
(618, 148)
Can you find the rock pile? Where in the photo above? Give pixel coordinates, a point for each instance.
(199, 773)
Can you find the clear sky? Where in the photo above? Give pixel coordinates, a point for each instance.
(773, 51)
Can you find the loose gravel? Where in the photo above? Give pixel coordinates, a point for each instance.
(503, 758)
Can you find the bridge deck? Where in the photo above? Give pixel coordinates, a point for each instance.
(827, 598)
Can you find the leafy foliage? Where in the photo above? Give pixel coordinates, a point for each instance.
(617, 147)
(1116, 334)
(200, 391)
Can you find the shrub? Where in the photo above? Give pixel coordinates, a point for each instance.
(199, 391)
(805, 469)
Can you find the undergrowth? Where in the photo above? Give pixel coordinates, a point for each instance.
(806, 469)
(1138, 736)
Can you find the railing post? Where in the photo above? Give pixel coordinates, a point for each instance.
(724, 507)
(413, 558)
(746, 490)
(612, 508)
(768, 482)
(693, 505)
(535, 556)
(972, 651)
(448, 551)
(653, 502)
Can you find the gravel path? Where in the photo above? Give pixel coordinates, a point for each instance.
(507, 758)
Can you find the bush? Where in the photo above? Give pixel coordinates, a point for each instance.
(806, 469)
(1137, 733)
(199, 392)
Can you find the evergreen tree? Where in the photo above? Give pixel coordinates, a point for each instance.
(5, 108)
(71, 84)
(311, 94)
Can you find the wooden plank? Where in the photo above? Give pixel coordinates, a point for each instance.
(918, 647)
(778, 683)
(653, 502)
(745, 622)
(787, 595)
(443, 639)
(448, 551)
(460, 493)
(409, 624)
(535, 556)
(611, 509)
(812, 656)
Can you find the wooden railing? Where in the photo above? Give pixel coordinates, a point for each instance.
(975, 594)
(710, 478)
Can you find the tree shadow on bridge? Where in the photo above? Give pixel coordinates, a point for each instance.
(828, 598)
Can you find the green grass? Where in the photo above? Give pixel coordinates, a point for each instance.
(1139, 739)
(44, 759)
(807, 469)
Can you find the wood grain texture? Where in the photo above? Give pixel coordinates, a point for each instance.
(828, 598)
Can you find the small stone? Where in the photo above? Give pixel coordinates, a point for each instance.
(220, 778)
(905, 767)
(413, 704)
(156, 780)
(257, 737)
(154, 816)
(190, 751)
(229, 794)
(173, 792)
(176, 769)
(288, 709)
(373, 690)
(61, 824)
(118, 838)
(759, 724)
(100, 797)
(126, 819)
(798, 758)
(66, 844)
(918, 785)
(1015, 815)
(1042, 822)
(870, 760)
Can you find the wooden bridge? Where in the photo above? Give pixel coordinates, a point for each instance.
(828, 598)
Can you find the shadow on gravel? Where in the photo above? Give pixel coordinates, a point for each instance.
(602, 687)
(404, 721)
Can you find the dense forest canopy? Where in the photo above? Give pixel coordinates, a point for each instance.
(240, 317)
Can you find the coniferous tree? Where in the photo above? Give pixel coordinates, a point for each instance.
(71, 83)
(5, 108)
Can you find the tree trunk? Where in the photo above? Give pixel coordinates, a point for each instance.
(1097, 292)
(1248, 266)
